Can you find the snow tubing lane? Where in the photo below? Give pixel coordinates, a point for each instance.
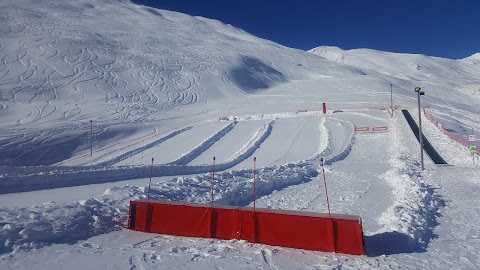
(295, 229)
(436, 158)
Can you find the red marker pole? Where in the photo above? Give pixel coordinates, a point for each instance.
(326, 191)
(149, 184)
(255, 225)
(254, 183)
(213, 181)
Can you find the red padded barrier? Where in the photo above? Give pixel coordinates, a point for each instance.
(181, 220)
(362, 128)
(348, 236)
(304, 230)
(226, 223)
(279, 228)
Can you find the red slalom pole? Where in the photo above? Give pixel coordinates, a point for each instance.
(213, 181)
(326, 191)
(149, 184)
(255, 225)
(254, 183)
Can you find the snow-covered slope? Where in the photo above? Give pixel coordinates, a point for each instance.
(434, 73)
(173, 91)
(474, 58)
(64, 63)
(451, 87)
(139, 62)
(413, 67)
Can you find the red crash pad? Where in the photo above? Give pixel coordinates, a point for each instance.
(296, 229)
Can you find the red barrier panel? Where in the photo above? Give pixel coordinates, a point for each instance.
(348, 235)
(304, 230)
(455, 137)
(373, 129)
(380, 128)
(290, 229)
(324, 108)
(362, 128)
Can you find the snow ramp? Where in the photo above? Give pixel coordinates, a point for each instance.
(432, 153)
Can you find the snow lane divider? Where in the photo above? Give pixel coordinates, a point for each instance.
(193, 154)
(141, 149)
(295, 229)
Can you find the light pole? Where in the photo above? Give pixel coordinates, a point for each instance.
(420, 134)
(91, 137)
(473, 147)
(391, 98)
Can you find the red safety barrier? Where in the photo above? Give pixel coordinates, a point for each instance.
(373, 129)
(304, 230)
(380, 129)
(461, 140)
(362, 128)
(324, 108)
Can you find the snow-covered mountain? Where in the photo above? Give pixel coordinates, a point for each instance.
(93, 91)
(412, 67)
(136, 60)
(473, 58)
(68, 62)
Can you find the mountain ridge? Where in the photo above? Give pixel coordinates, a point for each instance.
(413, 67)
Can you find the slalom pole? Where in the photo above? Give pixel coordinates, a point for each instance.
(150, 183)
(254, 183)
(213, 181)
(255, 225)
(326, 191)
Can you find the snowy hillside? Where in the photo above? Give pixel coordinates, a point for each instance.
(473, 58)
(65, 63)
(93, 92)
(452, 87)
(439, 73)
(416, 67)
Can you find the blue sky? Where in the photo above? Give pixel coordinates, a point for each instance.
(441, 28)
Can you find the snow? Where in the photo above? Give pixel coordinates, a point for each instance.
(473, 57)
(182, 90)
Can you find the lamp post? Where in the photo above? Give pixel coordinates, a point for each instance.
(420, 134)
(391, 98)
(91, 137)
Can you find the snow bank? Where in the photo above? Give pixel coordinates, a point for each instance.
(416, 206)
